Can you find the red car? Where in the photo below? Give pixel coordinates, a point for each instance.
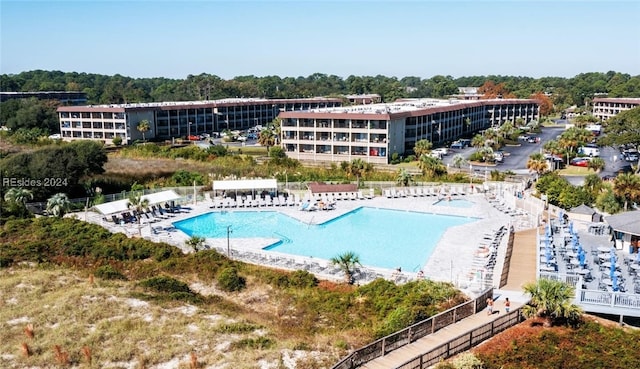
(194, 138)
(580, 162)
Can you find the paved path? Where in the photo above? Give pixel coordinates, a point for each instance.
(521, 270)
(427, 343)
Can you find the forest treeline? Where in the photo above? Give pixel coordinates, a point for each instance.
(103, 89)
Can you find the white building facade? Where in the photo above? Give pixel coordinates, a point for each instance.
(170, 120)
(374, 132)
(607, 107)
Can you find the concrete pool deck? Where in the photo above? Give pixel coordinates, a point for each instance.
(453, 259)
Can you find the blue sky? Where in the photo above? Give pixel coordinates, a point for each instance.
(394, 38)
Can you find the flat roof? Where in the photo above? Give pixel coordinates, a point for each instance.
(626, 100)
(399, 108)
(165, 105)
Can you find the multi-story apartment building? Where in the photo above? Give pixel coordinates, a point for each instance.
(374, 132)
(607, 107)
(176, 119)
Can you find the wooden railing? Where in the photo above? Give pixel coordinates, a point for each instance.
(464, 341)
(408, 335)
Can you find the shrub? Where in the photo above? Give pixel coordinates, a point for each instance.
(117, 141)
(109, 272)
(400, 318)
(229, 280)
(237, 328)
(254, 343)
(165, 284)
(302, 279)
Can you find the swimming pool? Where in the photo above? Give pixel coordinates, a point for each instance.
(381, 237)
(454, 203)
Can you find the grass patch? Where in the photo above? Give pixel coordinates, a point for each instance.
(575, 171)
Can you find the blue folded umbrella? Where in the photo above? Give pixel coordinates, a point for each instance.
(614, 282)
(638, 257)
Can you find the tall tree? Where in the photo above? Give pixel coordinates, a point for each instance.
(143, 127)
(627, 187)
(422, 147)
(537, 163)
(546, 105)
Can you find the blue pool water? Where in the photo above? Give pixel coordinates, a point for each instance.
(454, 203)
(382, 238)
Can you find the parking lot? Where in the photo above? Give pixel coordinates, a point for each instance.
(516, 157)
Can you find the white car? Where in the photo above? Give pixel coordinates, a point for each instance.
(442, 151)
(56, 136)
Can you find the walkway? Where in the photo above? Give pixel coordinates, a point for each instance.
(521, 270)
(400, 356)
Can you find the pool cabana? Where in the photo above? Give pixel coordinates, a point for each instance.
(626, 230)
(253, 185)
(120, 206)
(319, 189)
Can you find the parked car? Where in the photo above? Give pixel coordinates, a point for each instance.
(498, 156)
(580, 162)
(441, 150)
(194, 138)
(630, 155)
(532, 139)
(457, 145)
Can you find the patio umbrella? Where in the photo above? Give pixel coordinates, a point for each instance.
(638, 257)
(613, 255)
(581, 257)
(614, 282)
(561, 216)
(571, 227)
(547, 231)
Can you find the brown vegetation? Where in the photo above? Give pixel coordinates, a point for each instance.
(28, 331)
(62, 357)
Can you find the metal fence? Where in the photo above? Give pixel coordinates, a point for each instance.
(464, 341)
(408, 335)
(187, 193)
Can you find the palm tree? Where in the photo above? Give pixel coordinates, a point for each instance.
(266, 138)
(404, 177)
(593, 184)
(487, 153)
(458, 161)
(18, 196)
(17, 200)
(357, 168)
(506, 129)
(597, 164)
(478, 141)
(537, 163)
(422, 147)
(195, 242)
(430, 166)
(143, 127)
(138, 203)
(347, 262)
(551, 300)
(58, 205)
(627, 186)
